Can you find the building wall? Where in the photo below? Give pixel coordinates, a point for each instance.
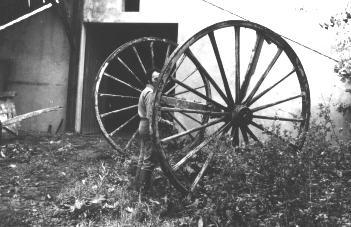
(37, 52)
(298, 20)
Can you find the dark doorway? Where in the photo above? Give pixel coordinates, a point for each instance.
(101, 40)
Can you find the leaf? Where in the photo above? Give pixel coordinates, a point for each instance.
(78, 204)
(98, 199)
(154, 201)
(129, 209)
(200, 223)
(189, 169)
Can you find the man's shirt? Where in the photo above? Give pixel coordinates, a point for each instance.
(145, 102)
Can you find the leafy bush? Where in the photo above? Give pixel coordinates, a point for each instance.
(270, 185)
(277, 185)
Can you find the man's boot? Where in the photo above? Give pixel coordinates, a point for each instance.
(145, 181)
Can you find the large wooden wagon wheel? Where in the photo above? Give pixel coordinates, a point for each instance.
(120, 80)
(258, 90)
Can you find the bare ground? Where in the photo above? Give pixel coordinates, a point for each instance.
(34, 169)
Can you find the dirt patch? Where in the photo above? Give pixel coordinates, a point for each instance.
(34, 169)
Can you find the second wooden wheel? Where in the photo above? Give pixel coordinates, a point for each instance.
(257, 86)
(119, 82)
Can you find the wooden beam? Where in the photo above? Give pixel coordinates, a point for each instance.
(62, 10)
(74, 64)
(25, 16)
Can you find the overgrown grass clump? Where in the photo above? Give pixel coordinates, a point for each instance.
(270, 185)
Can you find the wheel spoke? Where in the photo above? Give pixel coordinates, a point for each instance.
(191, 117)
(176, 85)
(130, 71)
(264, 75)
(167, 53)
(198, 93)
(278, 118)
(199, 147)
(152, 55)
(202, 171)
(252, 65)
(172, 75)
(192, 130)
(237, 64)
(117, 96)
(235, 136)
(122, 82)
(179, 123)
(269, 132)
(203, 72)
(268, 89)
(211, 113)
(117, 111)
(131, 139)
(244, 133)
(139, 59)
(252, 135)
(123, 125)
(221, 68)
(183, 92)
(276, 103)
(185, 104)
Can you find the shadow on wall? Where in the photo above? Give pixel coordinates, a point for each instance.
(6, 66)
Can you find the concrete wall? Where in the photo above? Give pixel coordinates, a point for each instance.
(37, 52)
(298, 20)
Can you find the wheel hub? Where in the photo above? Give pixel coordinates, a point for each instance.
(241, 115)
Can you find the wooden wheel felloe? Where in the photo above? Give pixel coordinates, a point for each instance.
(119, 83)
(257, 89)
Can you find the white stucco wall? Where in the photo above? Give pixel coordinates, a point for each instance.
(38, 51)
(298, 20)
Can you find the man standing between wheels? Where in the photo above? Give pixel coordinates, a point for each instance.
(149, 161)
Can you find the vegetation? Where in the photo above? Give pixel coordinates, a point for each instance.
(273, 185)
(340, 24)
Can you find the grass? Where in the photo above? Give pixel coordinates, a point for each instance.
(75, 180)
